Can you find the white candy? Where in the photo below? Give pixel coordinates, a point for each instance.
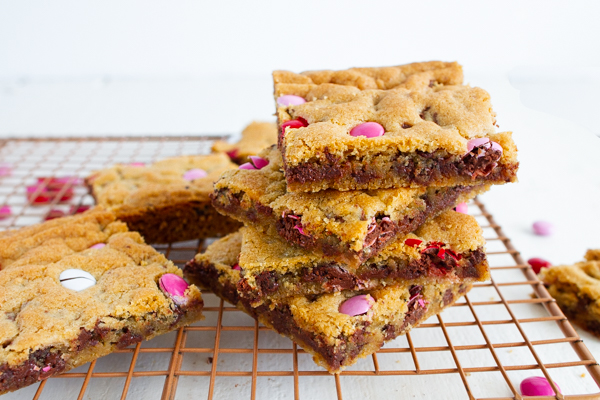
(76, 279)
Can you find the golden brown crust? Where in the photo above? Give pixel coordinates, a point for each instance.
(344, 215)
(255, 137)
(335, 340)
(423, 107)
(39, 315)
(268, 252)
(576, 289)
(143, 194)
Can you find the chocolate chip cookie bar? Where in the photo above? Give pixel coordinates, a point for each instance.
(349, 227)
(78, 288)
(406, 126)
(448, 248)
(576, 289)
(336, 328)
(255, 137)
(167, 201)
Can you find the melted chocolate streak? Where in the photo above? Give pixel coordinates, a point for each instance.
(283, 321)
(333, 277)
(419, 167)
(18, 376)
(381, 233)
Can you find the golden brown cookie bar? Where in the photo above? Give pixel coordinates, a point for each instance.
(576, 289)
(167, 201)
(77, 288)
(349, 227)
(407, 126)
(255, 137)
(448, 248)
(337, 328)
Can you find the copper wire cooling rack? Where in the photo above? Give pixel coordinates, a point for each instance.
(482, 347)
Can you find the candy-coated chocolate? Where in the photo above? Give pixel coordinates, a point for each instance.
(76, 279)
(194, 173)
(290, 100)
(497, 147)
(471, 144)
(368, 129)
(5, 212)
(259, 162)
(357, 305)
(537, 386)
(543, 228)
(293, 124)
(174, 286)
(98, 246)
(247, 166)
(462, 208)
(538, 263)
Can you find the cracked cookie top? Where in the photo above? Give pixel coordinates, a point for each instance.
(124, 188)
(255, 137)
(421, 107)
(38, 312)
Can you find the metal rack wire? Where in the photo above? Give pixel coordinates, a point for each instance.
(480, 348)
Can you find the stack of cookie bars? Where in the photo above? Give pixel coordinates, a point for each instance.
(350, 238)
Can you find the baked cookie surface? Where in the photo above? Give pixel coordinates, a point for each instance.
(167, 201)
(335, 328)
(350, 226)
(576, 289)
(449, 248)
(406, 126)
(77, 288)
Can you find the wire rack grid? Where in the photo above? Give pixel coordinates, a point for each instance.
(481, 348)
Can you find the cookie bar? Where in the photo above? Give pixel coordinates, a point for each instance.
(255, 137)
(337, 328)
(349, 227)
(448, 248)
(406, 126)
(77, 288)
(576, 289)
(167, 201)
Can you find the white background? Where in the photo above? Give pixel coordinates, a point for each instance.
(148, 67)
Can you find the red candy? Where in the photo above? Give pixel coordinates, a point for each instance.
(412, 242)
(47, 190)
(538, 263)
(294, 124)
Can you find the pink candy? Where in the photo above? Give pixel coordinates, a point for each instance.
(232, 153)
(5, 169)
(294, 124)
(5, 212)
(236, 267)
(497, 147)
(357, 305)
(537, 386)
(462, 208)
(368, 129)
(259, 162)
(485, 142)
(255, 163)
(137, 164)
(290, 100)
(98, 246)
(543, 228)
(193, 174)
(175, 286)
(471, 144)
(538, 263)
